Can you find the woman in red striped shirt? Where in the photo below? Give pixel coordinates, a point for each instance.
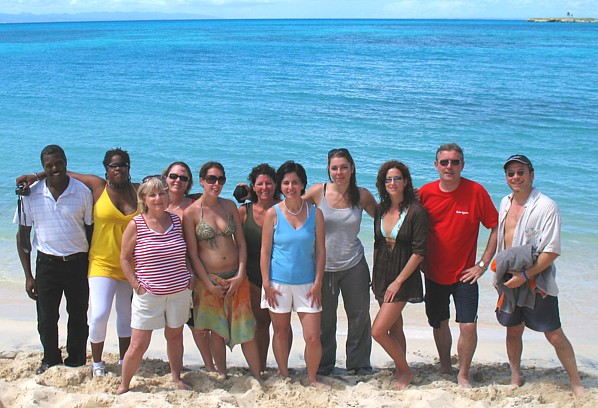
(160, 278)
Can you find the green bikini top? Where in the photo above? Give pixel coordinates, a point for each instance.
(205, 232)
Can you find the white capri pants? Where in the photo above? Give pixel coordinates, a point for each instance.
(102, 291)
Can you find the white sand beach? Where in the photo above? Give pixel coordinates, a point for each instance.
(546, 383)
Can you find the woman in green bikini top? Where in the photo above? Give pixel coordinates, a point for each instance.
(218, 253)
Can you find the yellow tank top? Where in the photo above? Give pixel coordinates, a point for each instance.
(109, 225)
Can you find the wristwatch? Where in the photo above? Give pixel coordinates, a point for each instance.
(483, 265)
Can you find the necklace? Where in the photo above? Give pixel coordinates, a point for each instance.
(293, 213)
(118, 186)
(177, 207)
(121, 187)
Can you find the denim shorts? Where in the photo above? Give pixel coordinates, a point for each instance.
(543, 318)
(465, 296)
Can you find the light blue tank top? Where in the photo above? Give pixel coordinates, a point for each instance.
(293, 251)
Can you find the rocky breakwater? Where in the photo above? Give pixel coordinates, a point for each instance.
(563, 20)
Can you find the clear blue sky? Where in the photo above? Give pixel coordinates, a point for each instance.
(500, 9)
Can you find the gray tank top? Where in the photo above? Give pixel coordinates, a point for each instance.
(343, 249)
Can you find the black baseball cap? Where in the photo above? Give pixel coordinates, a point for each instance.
(519, 158)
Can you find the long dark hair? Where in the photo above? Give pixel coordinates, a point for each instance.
(408, 194)
(262, 169)
(354, 196)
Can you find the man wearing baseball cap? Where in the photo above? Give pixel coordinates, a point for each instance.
(527, 216)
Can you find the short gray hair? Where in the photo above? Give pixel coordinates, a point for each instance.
(450, 147)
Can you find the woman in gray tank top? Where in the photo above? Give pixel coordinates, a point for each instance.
(342, 202)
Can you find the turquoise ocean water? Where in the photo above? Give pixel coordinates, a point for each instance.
(245, 92)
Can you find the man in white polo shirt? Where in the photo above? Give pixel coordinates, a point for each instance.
(60, 210)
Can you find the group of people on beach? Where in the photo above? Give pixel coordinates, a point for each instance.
(163, 255)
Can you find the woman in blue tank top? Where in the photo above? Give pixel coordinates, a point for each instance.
(292, 262)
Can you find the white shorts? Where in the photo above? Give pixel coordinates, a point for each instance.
(293, 298)
(152, 312)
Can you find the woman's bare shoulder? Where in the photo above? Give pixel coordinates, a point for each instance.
(314, 193)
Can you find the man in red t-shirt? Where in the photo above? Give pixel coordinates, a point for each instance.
(456, 207)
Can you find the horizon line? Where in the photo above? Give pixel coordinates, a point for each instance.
(212, 18)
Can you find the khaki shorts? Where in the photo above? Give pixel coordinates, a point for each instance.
(293, 298)
(152, 312)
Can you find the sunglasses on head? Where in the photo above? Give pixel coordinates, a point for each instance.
(342, 150)
(148, 178)
(396, 179)
(445, 162)
(118, 164)
(174, 176)
(213, 179)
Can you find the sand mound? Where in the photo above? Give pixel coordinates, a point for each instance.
(75, 388)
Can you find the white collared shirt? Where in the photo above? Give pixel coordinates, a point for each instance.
(59, 225)
(539, 225)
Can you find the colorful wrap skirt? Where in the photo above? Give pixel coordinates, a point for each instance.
(231, 317)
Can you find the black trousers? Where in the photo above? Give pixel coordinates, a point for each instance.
(53, 278)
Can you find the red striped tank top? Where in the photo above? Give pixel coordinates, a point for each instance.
(160, 258)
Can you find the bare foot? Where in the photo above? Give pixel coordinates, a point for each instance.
(463, 382)
(318, 384)
(446, 369)
(121, 389)
(257, 374)
(516, 379)
(222, 374)
(403, 379)
(182, 386)
(579, 390)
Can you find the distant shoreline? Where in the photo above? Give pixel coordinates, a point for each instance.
(562, 20)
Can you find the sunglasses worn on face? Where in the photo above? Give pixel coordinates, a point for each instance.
(512, 173)
(396, 179)
(445, 162)
(335, 151)
(148, 178)
(174, 176)
(118, 164)
(213, 179)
